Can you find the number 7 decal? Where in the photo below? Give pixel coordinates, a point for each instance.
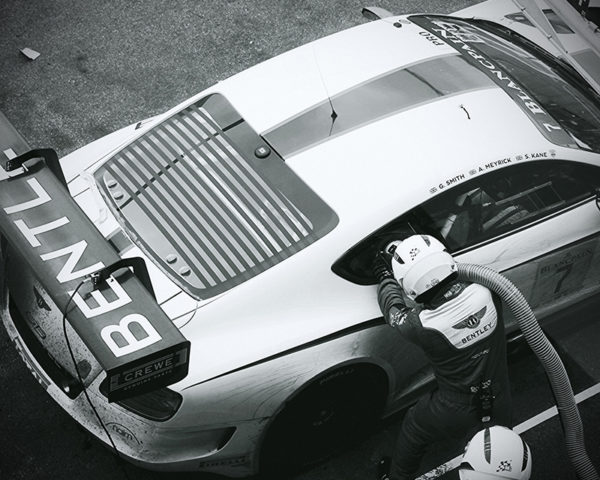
(567, 269)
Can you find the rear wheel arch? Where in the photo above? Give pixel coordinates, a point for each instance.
(327, 412)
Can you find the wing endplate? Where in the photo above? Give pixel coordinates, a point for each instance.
(121, 323)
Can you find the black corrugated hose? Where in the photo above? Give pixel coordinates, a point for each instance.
(541, 346)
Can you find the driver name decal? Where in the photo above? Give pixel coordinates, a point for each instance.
(487, 166)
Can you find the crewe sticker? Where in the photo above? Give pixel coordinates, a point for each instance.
(121, 323)
(465, 41)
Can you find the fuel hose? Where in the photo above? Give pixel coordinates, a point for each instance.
(543, 349)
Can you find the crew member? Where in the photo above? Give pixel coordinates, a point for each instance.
(459, 327)
(496, 453)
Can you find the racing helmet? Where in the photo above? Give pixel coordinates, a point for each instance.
(420, 263)
(496, 453)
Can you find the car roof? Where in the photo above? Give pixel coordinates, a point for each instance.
(402, 160)
(376, 169)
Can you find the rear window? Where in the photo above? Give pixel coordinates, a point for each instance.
(205, 197)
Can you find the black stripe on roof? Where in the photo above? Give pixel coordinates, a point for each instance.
(388, 94)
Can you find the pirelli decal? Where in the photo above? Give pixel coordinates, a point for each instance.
(470, 43)
(121, 323)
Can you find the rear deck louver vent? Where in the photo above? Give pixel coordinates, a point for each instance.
(192, 193)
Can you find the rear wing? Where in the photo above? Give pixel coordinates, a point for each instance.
(120, 322)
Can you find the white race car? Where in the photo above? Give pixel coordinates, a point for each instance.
(248, 335)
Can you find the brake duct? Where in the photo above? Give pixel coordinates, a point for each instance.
(543, 349)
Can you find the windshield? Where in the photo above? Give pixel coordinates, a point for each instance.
(556, 99)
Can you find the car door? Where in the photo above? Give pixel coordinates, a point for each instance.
(537, 222)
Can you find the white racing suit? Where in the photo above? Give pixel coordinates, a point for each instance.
(462, 334)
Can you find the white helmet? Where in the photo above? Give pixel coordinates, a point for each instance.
(419, 263)
(496, 453)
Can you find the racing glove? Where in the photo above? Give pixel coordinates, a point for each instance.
(389, 293)
(381, 268)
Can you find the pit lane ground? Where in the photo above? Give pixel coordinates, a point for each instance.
(104, 65)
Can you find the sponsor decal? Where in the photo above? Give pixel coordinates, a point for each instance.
(502, 162)
(472, 321)
(477, 333)
(455, 180)
(480, 354)
(398, 317)
(497, 163)
(462, 331)
(454, 290)
(35, 326)
(432, 38)
(39, 300)
(465, 42)
(150, 371)
(121, 323)
(31, 365)
(534, 155)
(563, 273)
(123, 432)
(433, 283)
(484, 385)
(505, 466)
(224, 462)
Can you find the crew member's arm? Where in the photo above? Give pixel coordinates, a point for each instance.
(389, 296)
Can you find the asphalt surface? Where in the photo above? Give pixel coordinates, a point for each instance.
(107, 64)
(104, 65)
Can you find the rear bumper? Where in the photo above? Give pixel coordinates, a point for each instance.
(151, 445)
(166, 446)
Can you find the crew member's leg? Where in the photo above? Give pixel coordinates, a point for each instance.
(434, 417)
(502, 407)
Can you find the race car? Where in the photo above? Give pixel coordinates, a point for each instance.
(196, 289)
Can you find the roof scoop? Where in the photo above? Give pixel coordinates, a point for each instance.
(375, 13)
